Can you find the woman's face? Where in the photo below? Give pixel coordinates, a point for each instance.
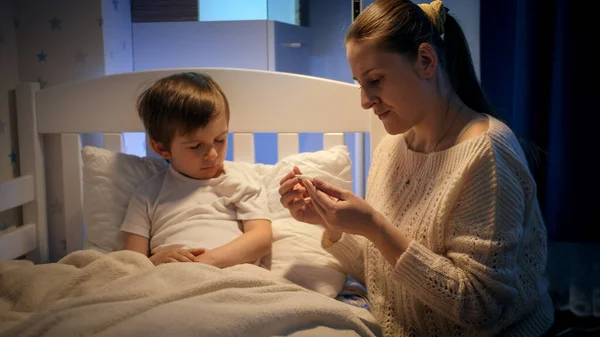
(397, 89)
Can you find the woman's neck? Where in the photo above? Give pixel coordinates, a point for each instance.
(437, 130)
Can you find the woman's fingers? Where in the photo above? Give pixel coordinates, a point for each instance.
(292, 174)
(288, 176)
(319, 197)
(330, 189)
(288, 185)
(290, 197)
(317, 200)
(297, 205)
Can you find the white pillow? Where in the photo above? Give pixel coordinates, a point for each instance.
(297, 253)
(298, 256)
(109, 180)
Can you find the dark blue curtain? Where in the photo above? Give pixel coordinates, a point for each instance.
(539, 71)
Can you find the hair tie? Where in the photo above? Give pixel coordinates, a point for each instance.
(436, 13)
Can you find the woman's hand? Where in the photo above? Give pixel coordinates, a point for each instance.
(345, 212)
(176, 255)
(342, 210)
(295, 198)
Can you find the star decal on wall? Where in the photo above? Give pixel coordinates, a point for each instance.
(115, 5)
(80, 57)
(42, 83)
(2, 126)
(13, 157)
(56, 207)
(100, 21)
(55, 23)
(41, 56)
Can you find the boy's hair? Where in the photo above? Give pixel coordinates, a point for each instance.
(180, 103)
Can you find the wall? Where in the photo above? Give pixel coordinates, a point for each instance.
(9, 162)
(59, 41)
(292, 48)
(117, 36)
(467, 14)
(329, 21)
(63, 41)
(239, 44)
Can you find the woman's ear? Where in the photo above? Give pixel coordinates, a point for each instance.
(160, 149)
(427, 61)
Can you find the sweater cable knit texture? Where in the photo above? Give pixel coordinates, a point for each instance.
(475, 267)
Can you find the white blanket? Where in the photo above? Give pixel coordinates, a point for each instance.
(122, 294)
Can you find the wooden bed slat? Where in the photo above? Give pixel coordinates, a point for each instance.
(16, 192)
(332, 139)
(17, 242)
(359, 163)
(113, 142)
(260, 101)
(287, 144)
(31, 161)
(243, 147)
(72, 190)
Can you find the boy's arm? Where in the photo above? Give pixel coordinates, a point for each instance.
(136, 224)
(247, 248)
(137, 243)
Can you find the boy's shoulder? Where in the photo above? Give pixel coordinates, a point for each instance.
(242, 175)
(240, 171)
(152, 186)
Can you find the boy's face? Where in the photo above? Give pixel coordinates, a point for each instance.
(200, 154)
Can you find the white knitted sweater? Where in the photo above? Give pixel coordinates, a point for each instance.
(475, 267)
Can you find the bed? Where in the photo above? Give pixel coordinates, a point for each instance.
(97, 289)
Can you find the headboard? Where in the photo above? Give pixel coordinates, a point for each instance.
(260, 101)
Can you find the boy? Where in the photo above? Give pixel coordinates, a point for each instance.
(191, 211)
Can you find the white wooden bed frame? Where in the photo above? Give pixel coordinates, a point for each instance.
(260, 101)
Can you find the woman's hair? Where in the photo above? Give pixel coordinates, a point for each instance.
(401, 26)
(180, 103)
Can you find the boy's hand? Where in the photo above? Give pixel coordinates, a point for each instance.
(206, 258)
(176, 255)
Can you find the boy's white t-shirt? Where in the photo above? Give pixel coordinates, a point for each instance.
(174, 210)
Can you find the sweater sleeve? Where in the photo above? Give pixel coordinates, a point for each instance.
(349, 250)
(475, 280)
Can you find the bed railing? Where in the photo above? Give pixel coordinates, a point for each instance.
(260, 101)
(29, 190)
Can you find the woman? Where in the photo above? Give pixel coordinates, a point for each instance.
(450, 240)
